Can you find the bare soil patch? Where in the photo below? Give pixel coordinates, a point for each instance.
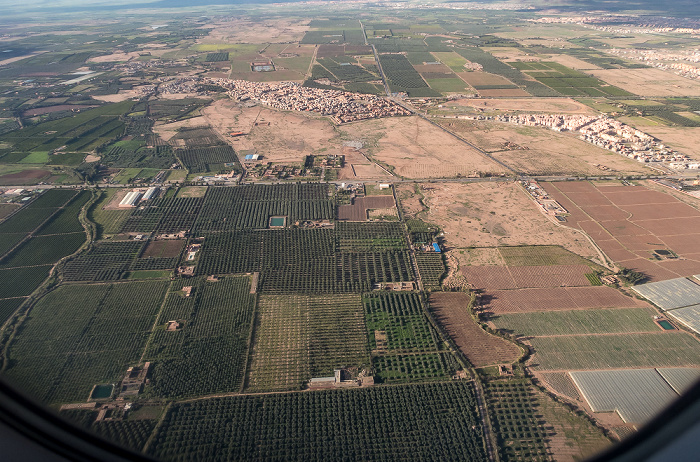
(502, 93)
(6, 209)
(114, 57)
(280, 137)
(543, 151)
(451, 311)
(416, 148)
(555, 298)
(24, 177)
(649, 82)
(192, 191)
(166, 248)
(512, 277)
(248, 30)
(546, 105)
(647, 220)
(480, 215)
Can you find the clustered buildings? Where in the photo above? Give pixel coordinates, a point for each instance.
(610, 134)
(342, 106)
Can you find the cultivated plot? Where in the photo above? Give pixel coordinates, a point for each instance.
(585, 352)
(451, 311)
(632, 223)
(296, 338)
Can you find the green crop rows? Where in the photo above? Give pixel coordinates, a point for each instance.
(164, 215)
(422, 422)
(298, 337)
(208, 353)
(405, 346)
(431, 268)
(216, 57)
(512, 407)
(250, 206)
(72, 340)
(209, 159)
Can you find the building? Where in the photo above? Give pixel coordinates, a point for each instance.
(150, 193)
(130, 199)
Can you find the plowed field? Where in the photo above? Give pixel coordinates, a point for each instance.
(481, 348)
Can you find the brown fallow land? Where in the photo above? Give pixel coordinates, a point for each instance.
(167, 248)
(358, 210)
(451, 311)
(629, 222)
(521, 277)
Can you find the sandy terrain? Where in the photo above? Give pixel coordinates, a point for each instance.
(685, 139)
(417, 149)
(572, 62)
(547, 105)
(649, 82)
(123, 95)
(547, 153)
(483, 78)
(115, 57)
(168, 130)
(243, 30)
(480, 215)
(281, 137)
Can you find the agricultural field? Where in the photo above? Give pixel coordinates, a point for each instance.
(452, 312)
(630, 222)
(89, 347)
(428, 420)
(207, 353)
(431, 268)
(107, 220)
(585, 352)
(513, 409)
(576, 322)
(568, 81)
(296, 338)
(497, 302)
(239, 296)
(405, 345)
(250, 206)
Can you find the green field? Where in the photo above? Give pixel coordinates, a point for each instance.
(448, 85)
(584, 352)
(207, 354)
(72, 341)
(428, 422)
(298, 337)
(578, 322)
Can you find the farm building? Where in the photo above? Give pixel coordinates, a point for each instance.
(436, 247)
(130, 199)
(150, 193)
(252, 157)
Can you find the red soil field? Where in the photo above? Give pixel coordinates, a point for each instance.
(23, 177)
(481, 348)
(514, 277)
(629, 222)
(358, 210)
(555, 298)
(166, 248)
